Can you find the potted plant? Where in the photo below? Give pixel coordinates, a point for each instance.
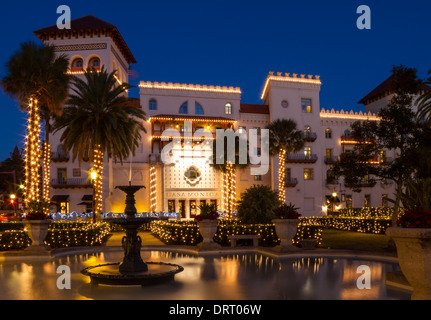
(207, 221)
(37, 222)
(286, 225)
(412, 237)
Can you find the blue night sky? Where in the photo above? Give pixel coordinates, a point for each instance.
(236, 43)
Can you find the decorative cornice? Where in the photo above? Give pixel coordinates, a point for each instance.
(348, 115)
(189, 87)
(81, 47)
(290, 78)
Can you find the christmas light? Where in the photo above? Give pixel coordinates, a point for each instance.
(281, 176)
(32, 155)
(153, 188)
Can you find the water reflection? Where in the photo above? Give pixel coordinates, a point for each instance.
(212, 277)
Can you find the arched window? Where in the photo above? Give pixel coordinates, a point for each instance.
(347, 133)
(184, 109)
(77, 64)
(228, 108)
(153, 104)
(198, 109)
(307, 129)
(94, 63)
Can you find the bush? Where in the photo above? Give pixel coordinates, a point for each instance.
(374, 212)
(14, 240)
(76, 234)
(257, 205)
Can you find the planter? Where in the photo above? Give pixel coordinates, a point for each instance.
(37, 231)
(414, 257)
(308, 244)
(286, 230)
(208, 229)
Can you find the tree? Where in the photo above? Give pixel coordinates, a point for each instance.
(258, 205)
(424, 104)
(396, 130)
(284, 138)
(100, 120)
(220, 162)
(38, 79)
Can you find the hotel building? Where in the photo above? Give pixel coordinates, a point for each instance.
(182, 185)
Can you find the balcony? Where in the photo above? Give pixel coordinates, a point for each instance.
(309, 136)
(74, 183)
(59, 157)
(348, 140)
(362, 184)
(290, 182)
(331, 182)
(331, 160)
(301, 158)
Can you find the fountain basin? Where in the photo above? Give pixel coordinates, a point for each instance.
(109, 274)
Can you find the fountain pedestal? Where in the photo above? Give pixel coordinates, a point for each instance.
(133, 270)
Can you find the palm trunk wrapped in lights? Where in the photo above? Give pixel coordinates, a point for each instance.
(229, 190)
(32, 155)
(46, 172)
(97, 182)
(281, 176)
(153, 184)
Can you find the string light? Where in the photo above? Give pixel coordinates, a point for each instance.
(47, 173)
(281, 176)
(32, 155)
(153, 188)
(229, 190)
(97, 182)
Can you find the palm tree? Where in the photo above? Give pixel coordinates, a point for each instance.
(99, 120)
(424, 104)
(284, 138)
(220, 162)
(37, 77)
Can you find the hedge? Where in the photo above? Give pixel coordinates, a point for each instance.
(372, 212)
(187, 232)
(60, 235)
(356, 224)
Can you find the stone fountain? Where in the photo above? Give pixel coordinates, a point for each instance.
(132, 270)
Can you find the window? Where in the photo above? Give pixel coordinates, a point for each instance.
(61, 175)
(94, 63)
(228, 108)
(153, 104)
(242, 130)
(308, 174)
(198, 109)
(347, 133)
(184, 109)
(306, 105)
(328, 133)
(257, 178)
(256, 130)
(257, 151)
(307, 152)
(367, 201)
(288, 174)
(349, 201)
(76, 172)
(77, 64)
(328, 154)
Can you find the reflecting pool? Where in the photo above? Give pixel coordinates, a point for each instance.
(209, 277)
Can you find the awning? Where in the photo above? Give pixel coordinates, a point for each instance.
(331, 199)
(87, 197)
(60, 198)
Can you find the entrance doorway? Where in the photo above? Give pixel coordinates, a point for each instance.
(193, 208)
(182, 208)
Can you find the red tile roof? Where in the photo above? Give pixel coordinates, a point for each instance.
(89, 23)
(254, 108)
(383, 90)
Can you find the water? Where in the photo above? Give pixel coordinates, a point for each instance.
(210, 277)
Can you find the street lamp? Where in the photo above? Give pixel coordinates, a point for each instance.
(12, 200)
